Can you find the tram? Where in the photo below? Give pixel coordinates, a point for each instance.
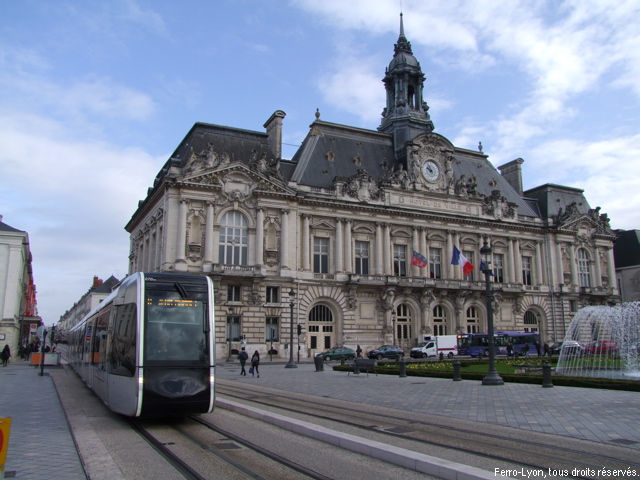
(148, 348)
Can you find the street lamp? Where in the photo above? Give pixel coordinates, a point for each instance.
(229, 329)
(291, 364)
(492, 377)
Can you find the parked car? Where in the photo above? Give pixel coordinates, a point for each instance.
(386, 351)
(601, 347)
(555, 347)
(339, 353)
(571, 346)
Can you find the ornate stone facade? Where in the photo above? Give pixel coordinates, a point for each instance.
(338, 223)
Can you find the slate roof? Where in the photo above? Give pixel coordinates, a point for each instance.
(552, 198)
(8, 228)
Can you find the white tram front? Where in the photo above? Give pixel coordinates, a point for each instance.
(148, 348)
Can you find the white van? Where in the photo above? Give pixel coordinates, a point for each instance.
(436, 345)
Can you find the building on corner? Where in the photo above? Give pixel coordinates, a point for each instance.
(330, 234)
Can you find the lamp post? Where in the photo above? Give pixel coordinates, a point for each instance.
(291, 364)
(229, 328)
(492, 377)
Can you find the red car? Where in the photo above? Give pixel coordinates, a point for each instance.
(601, 347)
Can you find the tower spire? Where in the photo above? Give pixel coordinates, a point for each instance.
(406, 114)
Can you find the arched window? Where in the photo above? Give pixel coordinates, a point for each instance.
(233, 239)
(439, 320)
(584, 275)
(320, 327)
(472, 320)
(530, 321)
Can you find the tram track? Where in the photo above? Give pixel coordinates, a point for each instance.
(495, 443)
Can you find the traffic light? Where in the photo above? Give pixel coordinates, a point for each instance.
(299, 329)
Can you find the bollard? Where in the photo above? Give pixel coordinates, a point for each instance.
(319, 361)
(403, 369)
(546, 375)
(456, 371)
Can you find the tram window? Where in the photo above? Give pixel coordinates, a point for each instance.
(175, 327)
(122, 357)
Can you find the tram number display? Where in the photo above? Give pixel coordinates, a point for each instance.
(172, 302)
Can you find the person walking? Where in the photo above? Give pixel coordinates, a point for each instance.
(358, 352)
(5, 355)
(255, 363)
(243, 356)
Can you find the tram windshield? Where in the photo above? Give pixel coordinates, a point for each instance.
(176, 326)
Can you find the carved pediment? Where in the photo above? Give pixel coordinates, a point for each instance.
(236, 177)
(360, 186)
(571, 219)
(498, 206)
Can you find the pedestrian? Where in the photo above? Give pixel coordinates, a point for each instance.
(255, 363)
(358, 352)
(547, 352)
(525, 350)
(5, 355)
(242, 356)
(509, 349)
(538, 347)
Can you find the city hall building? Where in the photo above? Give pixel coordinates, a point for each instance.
(351, 241)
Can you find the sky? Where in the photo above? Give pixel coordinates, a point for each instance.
(95, 96)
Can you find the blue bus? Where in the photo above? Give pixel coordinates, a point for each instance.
(477, 344)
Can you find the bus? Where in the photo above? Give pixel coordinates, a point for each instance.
(477, 344)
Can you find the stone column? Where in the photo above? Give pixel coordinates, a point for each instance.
(574, 266)
(511, 264)
(379, 250)
(598, 268)
(259, 237)
(388, 250)
(181, 239)
(208, 239)
(558, 253)
(348, 248)
(539, 280)
(339, 246)
(446, 259)
(306, 247)
(518, 262)
(284, 238)
(611, 272)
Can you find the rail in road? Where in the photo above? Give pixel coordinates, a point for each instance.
(515, 451)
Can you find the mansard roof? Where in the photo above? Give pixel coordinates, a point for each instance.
(626, 250)
(8, 228)
(553, 199)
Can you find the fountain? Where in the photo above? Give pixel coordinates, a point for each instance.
(603, 342)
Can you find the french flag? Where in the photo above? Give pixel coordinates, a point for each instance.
(459, 259)
(418, 260)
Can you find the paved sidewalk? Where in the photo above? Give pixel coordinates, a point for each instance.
(40, 443)
(605, 416)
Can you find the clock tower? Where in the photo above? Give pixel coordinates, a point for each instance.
(406, 113)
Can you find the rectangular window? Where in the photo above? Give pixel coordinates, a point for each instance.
(273, 294)
(233, 328)
(320, 255)
(498, 268)
(362, 258)
(271, 329)
(526, 270)
(400, 260)
(469, 256)
(435, 263)
(233, 293)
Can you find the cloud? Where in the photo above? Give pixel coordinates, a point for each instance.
(73, 198)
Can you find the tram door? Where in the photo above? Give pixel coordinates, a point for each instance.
(321, 334)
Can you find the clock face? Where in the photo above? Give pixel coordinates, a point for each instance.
(430, 171)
